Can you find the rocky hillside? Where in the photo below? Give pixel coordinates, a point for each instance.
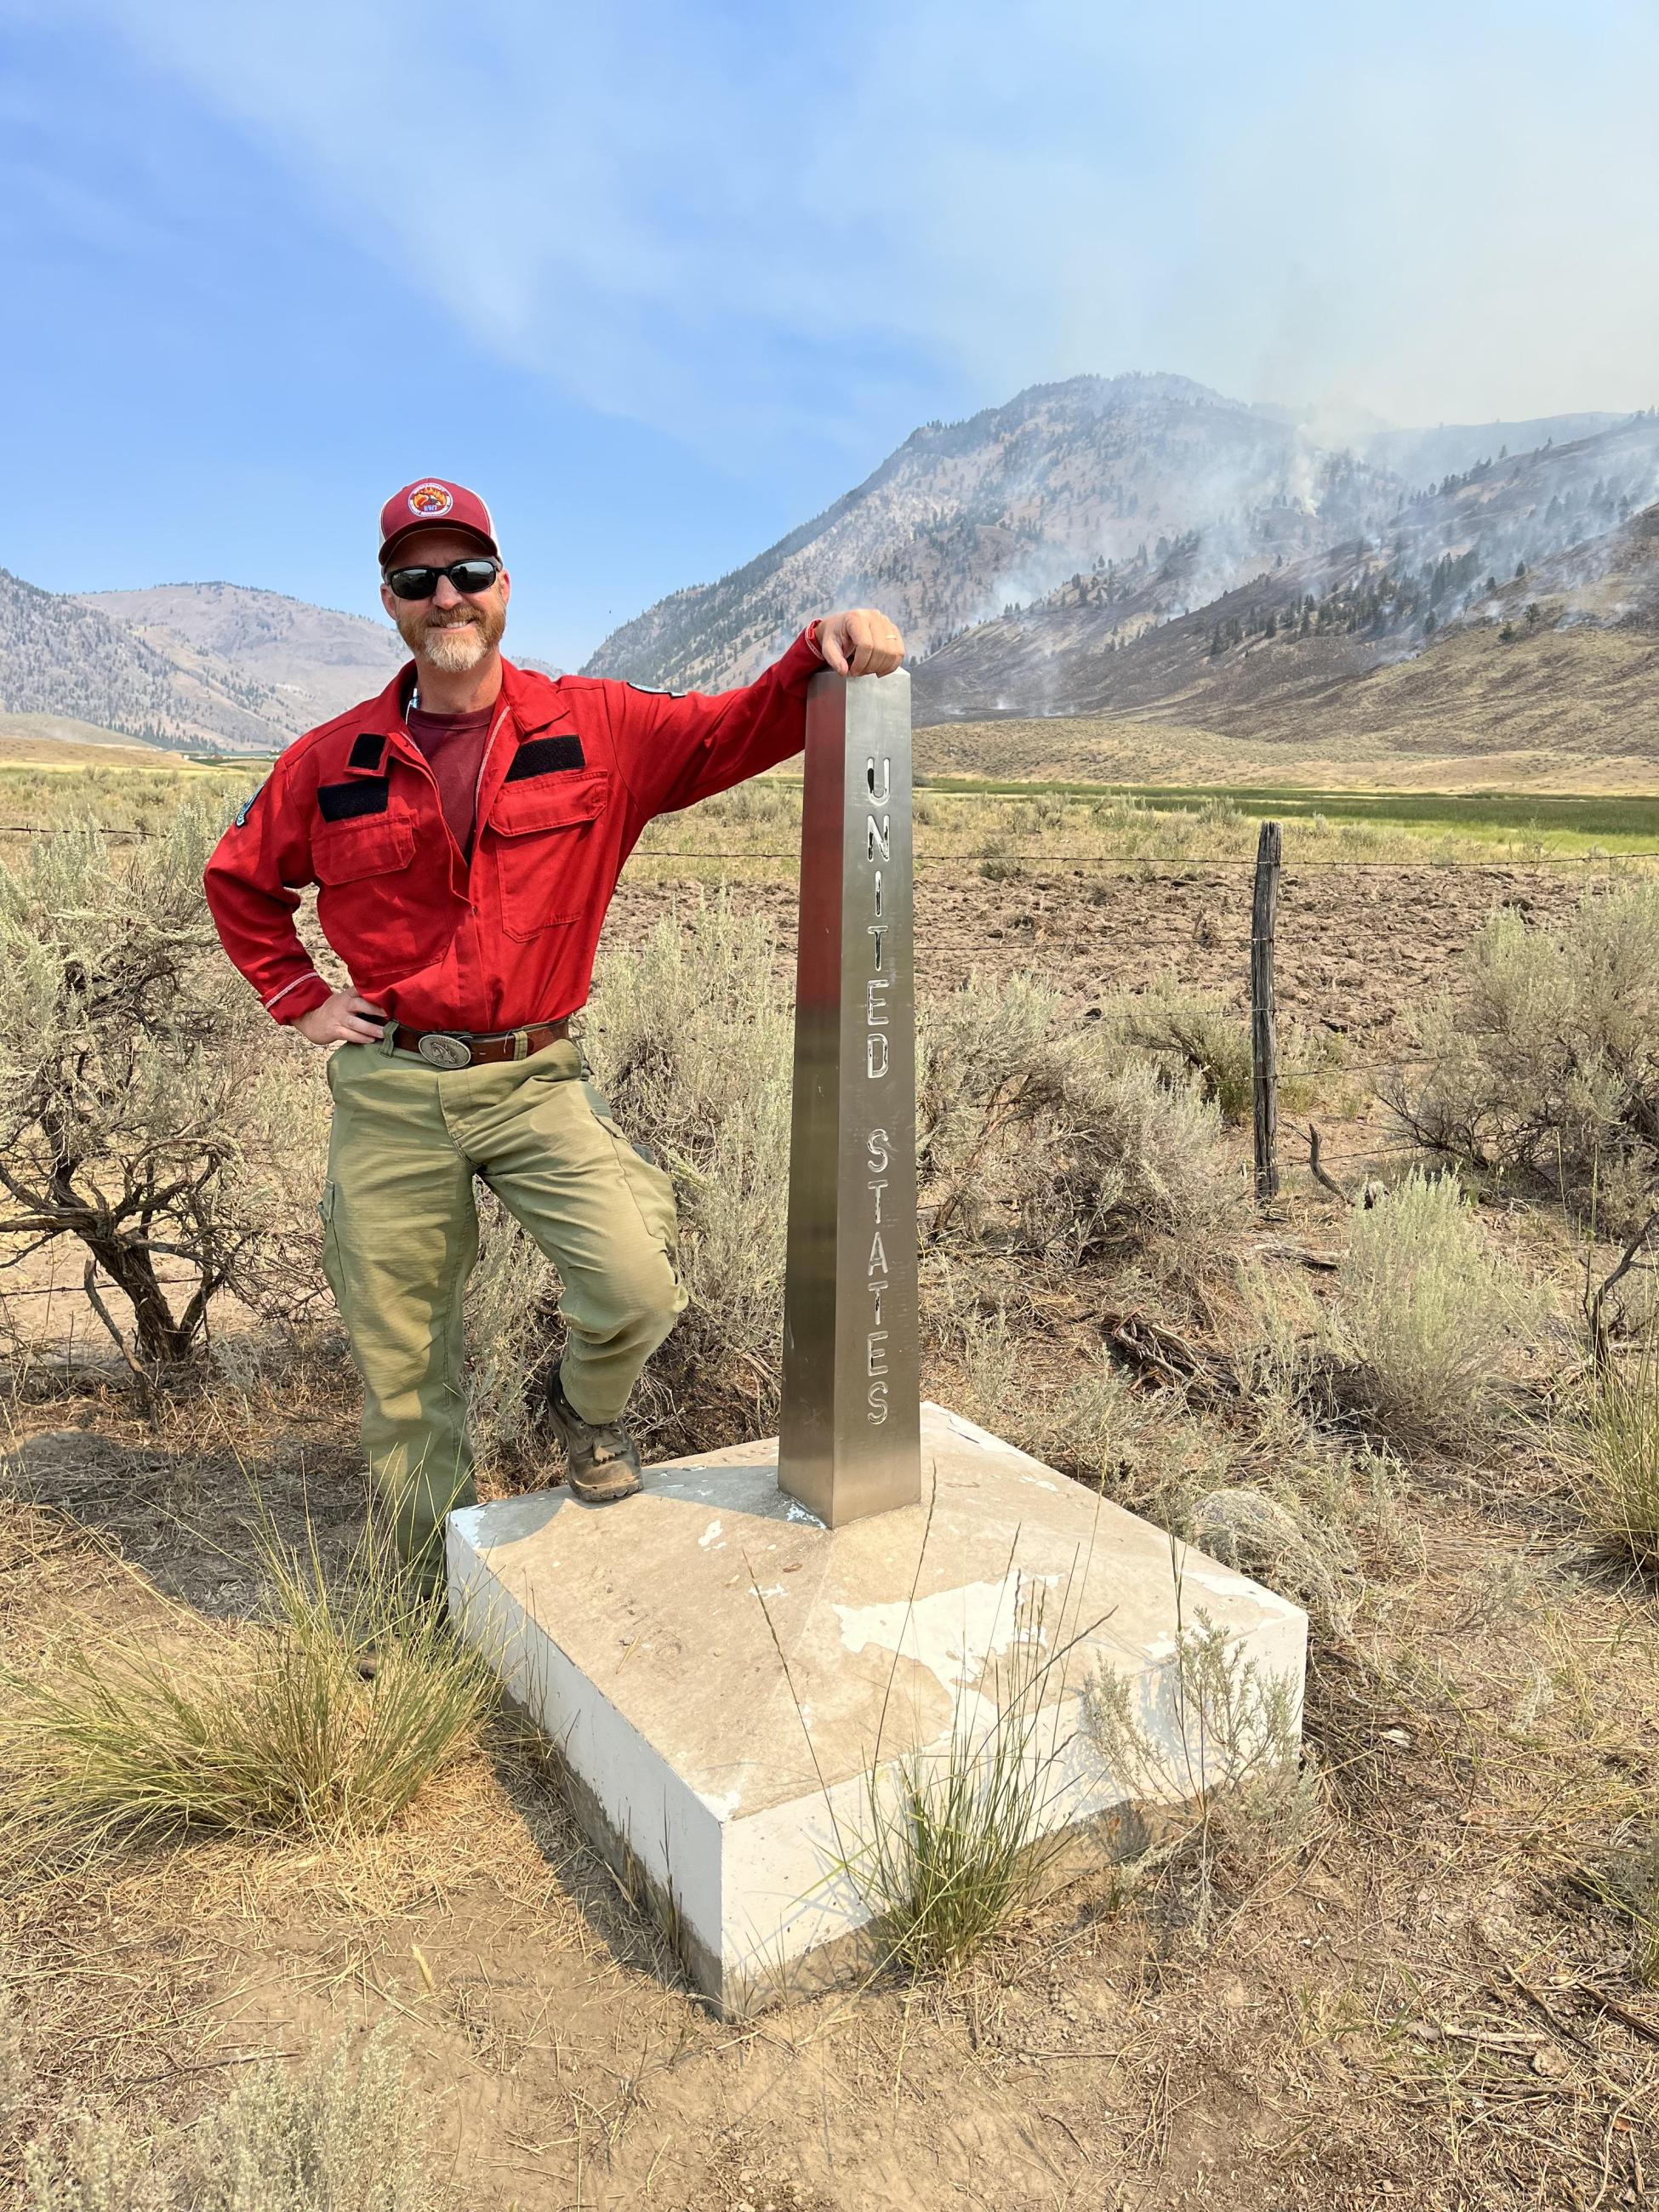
(966, 516)
(1149, 495)
(1554, 539)
(58, 657)
(210, 667)
(311, 662)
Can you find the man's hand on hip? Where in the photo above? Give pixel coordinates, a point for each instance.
(861, 642)
(343, 1017)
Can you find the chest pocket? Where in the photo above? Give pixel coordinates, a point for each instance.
(384, 903)
(371, 845)
(544, 840)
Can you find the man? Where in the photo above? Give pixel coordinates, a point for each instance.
(465, 831)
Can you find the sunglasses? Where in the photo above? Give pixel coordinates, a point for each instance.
(467, 577)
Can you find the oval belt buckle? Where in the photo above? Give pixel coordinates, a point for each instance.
(444, 1051)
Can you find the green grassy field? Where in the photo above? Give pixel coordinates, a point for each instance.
(1556, 822)
(969, 821)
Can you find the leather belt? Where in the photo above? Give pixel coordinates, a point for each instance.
(474, 1048)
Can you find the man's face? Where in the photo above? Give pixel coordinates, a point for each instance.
(453, 630)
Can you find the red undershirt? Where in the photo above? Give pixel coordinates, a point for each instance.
(454, 745)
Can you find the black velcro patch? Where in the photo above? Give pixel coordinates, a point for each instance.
(543, 755)
(340, 801)
(366, 751)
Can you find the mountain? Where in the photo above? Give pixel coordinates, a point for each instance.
(60, 658)
(1137, 547)
(310, 663)
(210, 667)
(966, 516)
(1560, 530)
(1157, 493)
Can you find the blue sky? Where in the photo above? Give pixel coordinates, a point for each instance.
(662, 280)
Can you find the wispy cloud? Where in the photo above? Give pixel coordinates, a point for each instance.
(733, 221)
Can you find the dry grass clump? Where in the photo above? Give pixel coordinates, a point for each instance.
(1327, 1527)
(957, 1838)
(1248, 1528)
(1083, 1423)
(1427, 1309)
(270, 1728)
(1619, 1482)
(324, 2137)
(1545, 1061)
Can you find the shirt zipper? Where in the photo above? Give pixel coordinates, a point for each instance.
(426, 770)
(477, 791)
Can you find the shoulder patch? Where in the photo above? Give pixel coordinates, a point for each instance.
(655, 690)
(245, 809)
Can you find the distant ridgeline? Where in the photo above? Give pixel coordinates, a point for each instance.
(1135, 546)
(201, 667)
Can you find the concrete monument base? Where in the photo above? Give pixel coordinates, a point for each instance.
(724, 1676)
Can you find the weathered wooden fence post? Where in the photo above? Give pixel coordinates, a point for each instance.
(1264, 1050)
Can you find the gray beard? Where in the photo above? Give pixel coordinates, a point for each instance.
(452, 652)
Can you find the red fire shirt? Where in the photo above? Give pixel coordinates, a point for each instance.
(570, 773)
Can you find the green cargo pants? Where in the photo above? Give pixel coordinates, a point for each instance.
(401, 1233)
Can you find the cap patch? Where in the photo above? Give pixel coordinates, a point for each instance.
(427, 500)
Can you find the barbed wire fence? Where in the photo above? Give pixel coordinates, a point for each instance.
(1031, 865)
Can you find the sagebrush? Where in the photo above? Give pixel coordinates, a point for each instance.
(1544, 1061)
(1427, 1310)
(330, 2135)
(147, 1110)
(1065, 1142)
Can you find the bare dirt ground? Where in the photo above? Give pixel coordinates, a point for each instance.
(1425, 2005)
(1359, 947)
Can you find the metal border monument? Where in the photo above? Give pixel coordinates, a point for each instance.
(733, 1663)
(850, 1442)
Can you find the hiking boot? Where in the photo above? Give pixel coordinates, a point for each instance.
(602, 1463)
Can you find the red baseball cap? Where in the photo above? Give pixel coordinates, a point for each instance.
(429, 503)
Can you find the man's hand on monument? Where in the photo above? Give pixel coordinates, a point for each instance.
(861, 642)
(343, 1017)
